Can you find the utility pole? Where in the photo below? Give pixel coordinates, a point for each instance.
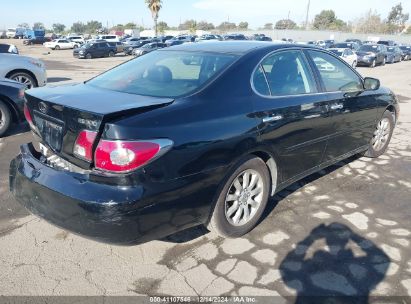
(308, 11)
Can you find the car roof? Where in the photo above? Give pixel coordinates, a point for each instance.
(231, 47)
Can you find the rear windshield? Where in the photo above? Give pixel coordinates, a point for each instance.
(164, 74)
(369, 48)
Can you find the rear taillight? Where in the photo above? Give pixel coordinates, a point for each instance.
(28, 117)
(83, 147)
(125, 156)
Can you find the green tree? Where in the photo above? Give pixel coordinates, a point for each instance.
(187, 25)
(285, 24)
(243, 25)
(154, 6)
(205, 26)
(78, 27)
(162, 27)
(92, 26)
(226, 26)
(268, 26)
(328, 20)
(130, 25)
(396, 19)
(38, 25)
(58, 27)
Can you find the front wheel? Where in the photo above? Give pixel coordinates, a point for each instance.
(382, 136)
(5, 118)
(57, 47)
(111, 54)
(354, 64)
(373, 64)
(383, 61)
(88, 56)
(242, 199)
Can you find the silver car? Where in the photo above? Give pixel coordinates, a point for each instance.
(27, 70)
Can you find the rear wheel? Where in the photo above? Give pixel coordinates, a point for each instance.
(5, 118)
(57, 47)
(111, 54)
(88, 56)
(382, 136)
(242, 199)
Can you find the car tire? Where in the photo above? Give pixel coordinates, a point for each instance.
(89, 56)
(373, 64)
(382, 136)
(24, 78)
(75, 46)
(5, 118)
(354, 64)
(384, 61)
(229, 218)
(57, 47)
(111, 54)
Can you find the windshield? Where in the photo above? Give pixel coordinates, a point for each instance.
(164, 73)
(87, 45)
(368, 48)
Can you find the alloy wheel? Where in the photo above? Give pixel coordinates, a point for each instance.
(381, 134)
(244, 197)
(25, 80)
(2, 119)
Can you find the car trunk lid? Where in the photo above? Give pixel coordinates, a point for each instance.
(61, 113)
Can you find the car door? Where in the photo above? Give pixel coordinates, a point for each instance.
(292, 110)
(353, 111)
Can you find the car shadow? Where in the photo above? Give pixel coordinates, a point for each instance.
(193, 233)
(57, 79)
(333, 264)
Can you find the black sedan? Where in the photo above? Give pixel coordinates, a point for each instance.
(372, 55)
(149, 47)
(11, 104)
(194, 134)
(95, 50)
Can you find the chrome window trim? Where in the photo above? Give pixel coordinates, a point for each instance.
(266, 80)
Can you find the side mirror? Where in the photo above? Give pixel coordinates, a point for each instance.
(371, 84)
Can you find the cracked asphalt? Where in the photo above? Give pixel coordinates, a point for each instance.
(343, 231)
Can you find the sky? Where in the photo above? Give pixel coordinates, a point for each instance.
(256, 12)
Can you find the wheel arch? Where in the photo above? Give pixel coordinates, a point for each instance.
(271, 165)
(11, 107)
(392, 109)
(23, 71)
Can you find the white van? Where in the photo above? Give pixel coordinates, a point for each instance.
(11, 33)
(109, 38)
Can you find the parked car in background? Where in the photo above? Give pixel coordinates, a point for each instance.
(149, 47)
(263, 38)
(163, 39)
(8, 48)
(118, 45)
(36, 40)
(128, 49)
(358, 41)
(207, 37)
(117, 163)
(406, 50)
(16, 33)
(109, 38)
(346, 54)
(3, 34)
(75, 38)
(61, 44)
(29, 71)
(372, 55)
(394, 54)
(386, 42)
(235, 37)
(95, 50)
(344, 45)
(11, 104)
(181, 38)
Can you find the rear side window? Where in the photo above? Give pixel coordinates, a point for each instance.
(287, 73)
(164, 74)
(336, 75)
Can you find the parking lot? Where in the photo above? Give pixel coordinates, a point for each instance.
(345, 230)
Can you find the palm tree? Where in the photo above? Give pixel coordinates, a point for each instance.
(154, 6)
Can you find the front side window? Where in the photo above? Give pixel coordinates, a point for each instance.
(164, 73)
(287, 73)
(335, 75)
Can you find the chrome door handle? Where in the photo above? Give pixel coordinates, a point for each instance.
(272, 118)
(337, 106)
